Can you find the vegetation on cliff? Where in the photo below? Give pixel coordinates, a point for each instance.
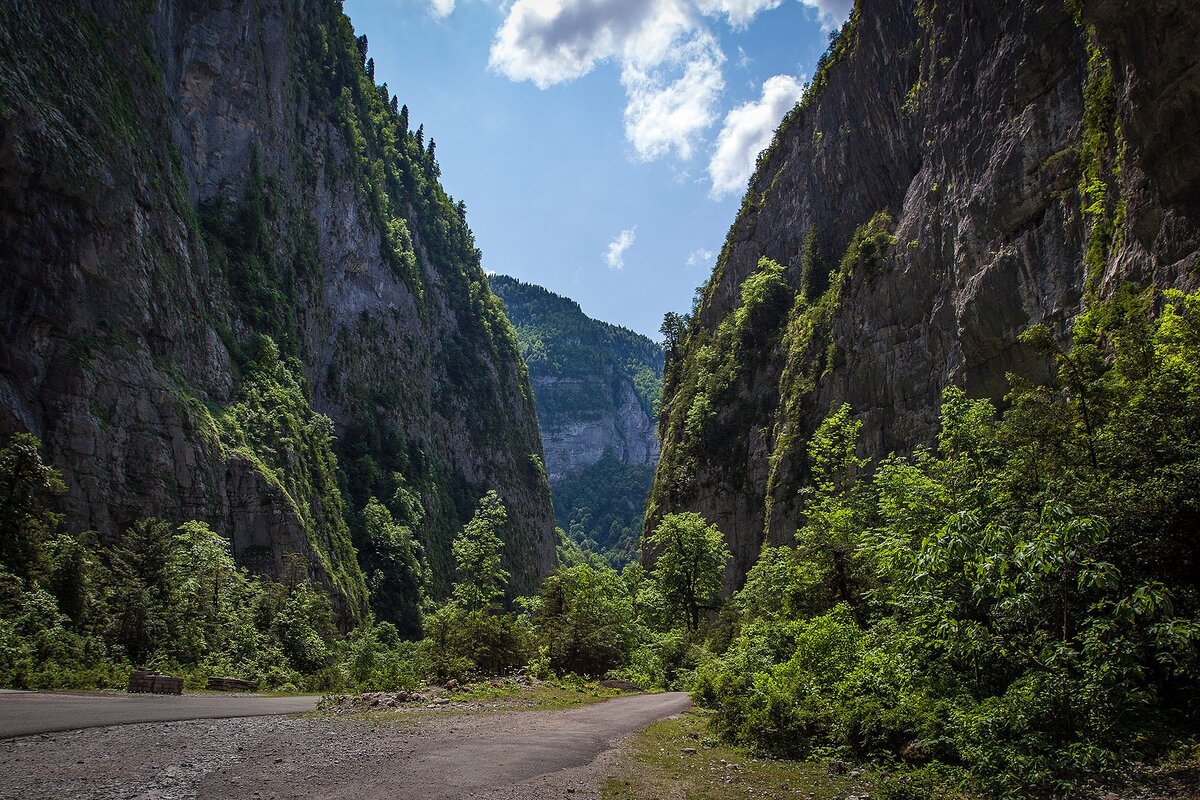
(78, 614)
(279, 299)
(581, 369)
(1017, 604)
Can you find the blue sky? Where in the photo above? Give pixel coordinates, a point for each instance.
(601, 146)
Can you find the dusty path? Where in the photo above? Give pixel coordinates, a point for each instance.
(436, 756)
(24, 713)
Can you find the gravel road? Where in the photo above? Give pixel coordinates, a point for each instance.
(526, 755)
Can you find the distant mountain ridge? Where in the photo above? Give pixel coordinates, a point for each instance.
(596, 387)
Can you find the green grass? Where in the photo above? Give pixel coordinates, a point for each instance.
(678, 759)
(508, 694)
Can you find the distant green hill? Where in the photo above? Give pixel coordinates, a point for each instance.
(596, 387)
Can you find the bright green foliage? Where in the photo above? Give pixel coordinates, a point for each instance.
(1099, 160)
(586, 618)
(481, 580)
(464, 644)
(273, 426)
(1025, 607)
(27, 524)
(395, 563)
(690, 560)
(836, 509)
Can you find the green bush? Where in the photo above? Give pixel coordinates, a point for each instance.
(1015, 609)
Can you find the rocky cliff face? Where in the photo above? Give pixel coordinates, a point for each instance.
(955, 173)
(235, 291)
(595, 384)
(596, 387)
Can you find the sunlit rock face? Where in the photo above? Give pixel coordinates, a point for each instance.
(179, 178)
(967, 133)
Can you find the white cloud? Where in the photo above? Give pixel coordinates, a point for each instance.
(617, 247)
(832, 13)
(701, 257)
(747, 131)
(670, 61)
(551, 41)
(670, 106)
(441, 8)
(739, 13)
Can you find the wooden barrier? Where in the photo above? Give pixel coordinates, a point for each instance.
(223, 683)
(144, 680)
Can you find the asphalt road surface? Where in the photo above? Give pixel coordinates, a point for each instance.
(25, 713)
(429, 755)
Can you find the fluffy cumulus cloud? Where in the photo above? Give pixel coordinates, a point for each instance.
(670, 106)
(441, 8)
(617, 247)
(550, 41)
(739, 13)
(747, 131)
(670, 61)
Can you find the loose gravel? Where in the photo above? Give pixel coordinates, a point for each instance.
(436, 756)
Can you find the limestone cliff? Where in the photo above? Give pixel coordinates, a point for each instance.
(955, 173)
(234, 289)
(596, 387)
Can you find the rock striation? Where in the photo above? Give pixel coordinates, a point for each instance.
(235, 291)
(955, 173)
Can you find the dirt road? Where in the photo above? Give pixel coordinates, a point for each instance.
(25, 713)
(436, 756)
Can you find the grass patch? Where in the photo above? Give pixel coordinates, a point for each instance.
(509, 694)
(678, 759)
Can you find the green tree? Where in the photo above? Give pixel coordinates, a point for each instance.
(395, 561)
(691, 558)
(836, 510)
(140, 591)
(585, 619)
(27, 523)
(674, 327)
(481, 580)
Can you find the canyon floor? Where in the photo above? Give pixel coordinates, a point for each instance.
(424, 756)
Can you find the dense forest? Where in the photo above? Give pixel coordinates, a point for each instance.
(597, 389)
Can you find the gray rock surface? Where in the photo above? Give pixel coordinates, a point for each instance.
(966, 123)
(122, 122)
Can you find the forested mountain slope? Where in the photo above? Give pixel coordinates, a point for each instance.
(955, 173)
(597, 388)
(235, 291)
